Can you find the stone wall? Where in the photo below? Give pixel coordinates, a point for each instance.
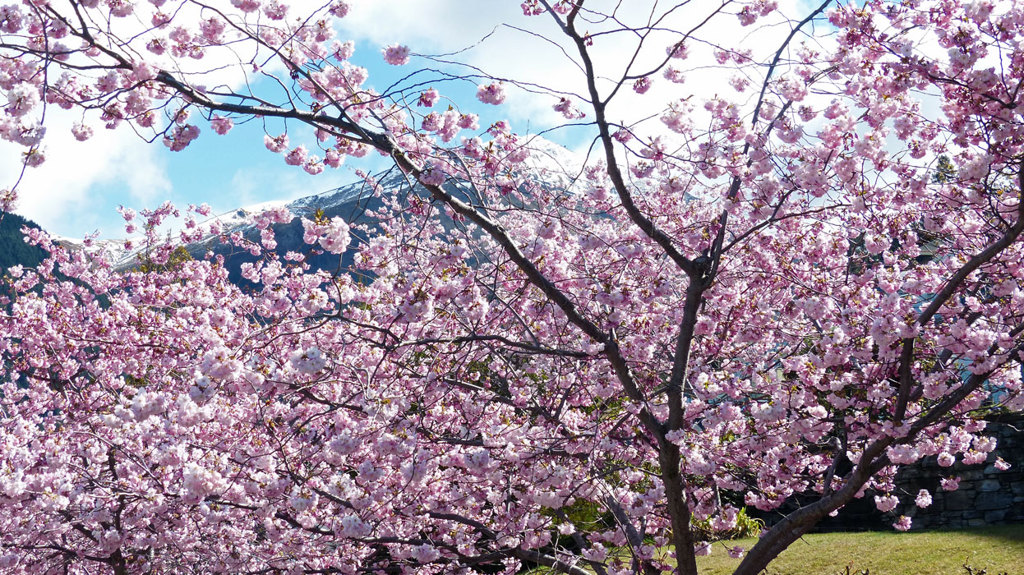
(986, 495)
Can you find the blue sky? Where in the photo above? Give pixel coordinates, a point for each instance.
(78, 189)
(226, 172)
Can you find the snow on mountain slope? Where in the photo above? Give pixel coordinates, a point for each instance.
(549, 163)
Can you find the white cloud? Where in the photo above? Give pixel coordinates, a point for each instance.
(58, 194)
(64, 193)
(534, 51)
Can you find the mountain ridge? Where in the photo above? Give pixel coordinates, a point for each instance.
(549, 163)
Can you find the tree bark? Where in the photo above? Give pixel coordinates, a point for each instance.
(678, 508)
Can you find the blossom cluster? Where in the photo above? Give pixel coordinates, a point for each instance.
(783, 292)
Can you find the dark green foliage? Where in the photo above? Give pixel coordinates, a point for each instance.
(945, 171)
(13, 249)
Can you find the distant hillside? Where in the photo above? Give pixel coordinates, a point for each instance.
(351, 203)
(549, 165)
(13, 249)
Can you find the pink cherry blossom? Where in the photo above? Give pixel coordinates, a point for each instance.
(297, 156)
(396, 55)
(221, 125)
(532, 8)
(22, 99)
(212, 29)
(276, 144)
(677, 50)
(886, 502)
(673, 75)
(339, 8)
(33, 158)
(432, 176)
(567, 109)
(428, 98)
(180, 136)
(313, 165)
(469, 121)
(493, 93)
(923, 499)
(246, 5)
(902, 524)
(81, 132)
(782, 287)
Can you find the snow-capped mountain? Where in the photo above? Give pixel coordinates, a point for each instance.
(549, 164)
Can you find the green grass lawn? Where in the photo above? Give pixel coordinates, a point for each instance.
(997, 550)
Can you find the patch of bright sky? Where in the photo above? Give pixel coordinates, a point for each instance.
(78, 189)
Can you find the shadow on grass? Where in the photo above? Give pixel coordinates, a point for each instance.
(1011, 534)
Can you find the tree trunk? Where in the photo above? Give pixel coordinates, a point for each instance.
(796, 524)
(678, 508)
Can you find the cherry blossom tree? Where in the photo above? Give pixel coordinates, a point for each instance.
(775, 291)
